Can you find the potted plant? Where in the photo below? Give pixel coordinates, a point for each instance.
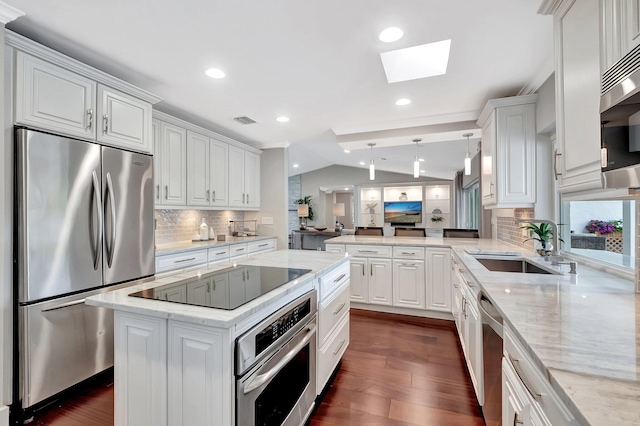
(541, 233)
(372, 208)
(437, 219)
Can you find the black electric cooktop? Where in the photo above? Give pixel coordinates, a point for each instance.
(226, 288)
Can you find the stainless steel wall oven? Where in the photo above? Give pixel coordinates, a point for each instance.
(276, 367)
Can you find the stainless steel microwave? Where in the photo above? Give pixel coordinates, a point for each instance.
(620, 123)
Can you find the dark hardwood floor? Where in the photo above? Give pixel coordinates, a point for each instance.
(398, 370)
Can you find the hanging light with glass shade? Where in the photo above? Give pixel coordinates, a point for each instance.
(467, 158)
(416, 163)
(372, 167)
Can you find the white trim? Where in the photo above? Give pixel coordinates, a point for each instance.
(422, 313)
(163, 116)
(541, 76)
(9, 13)
(548, 7)
(31, 47)
(504, 102)
(4, 415)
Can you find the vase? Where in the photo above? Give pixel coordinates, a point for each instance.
(372, 211)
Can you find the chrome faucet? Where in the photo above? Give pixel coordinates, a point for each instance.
(554, 256)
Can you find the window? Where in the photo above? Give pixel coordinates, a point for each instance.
(603, 230)
(470, 206)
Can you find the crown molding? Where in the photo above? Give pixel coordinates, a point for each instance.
(9, 13)
(504, 102)
(26, 45)
(548, 7)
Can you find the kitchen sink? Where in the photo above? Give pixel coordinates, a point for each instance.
(513, 265)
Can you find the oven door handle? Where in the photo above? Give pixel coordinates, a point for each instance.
(264, 378)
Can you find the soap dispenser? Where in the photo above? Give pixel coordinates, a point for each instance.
(204, 231)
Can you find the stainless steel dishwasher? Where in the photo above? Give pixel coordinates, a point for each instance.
(492, 351)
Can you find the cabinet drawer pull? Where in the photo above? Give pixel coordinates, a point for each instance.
(90, 115)
(407, 252)
(363, 269)
(242, 198)
(337, 311)
(556, 154)
(208, 196)
(214, 195)
(407, 264)
(184, 260)
(367, 251)
(371, 269)
(239, 249)
(222, 252)
(263, 245)
(515, 363)
(516, 420)
(247, 198)
(106, 123)
(339, 347)
(157, 192)
(166, 192)
(339, 278)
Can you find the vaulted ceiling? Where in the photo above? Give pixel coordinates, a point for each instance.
(316, 62)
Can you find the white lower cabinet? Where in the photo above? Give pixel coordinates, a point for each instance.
(438, 279)
(408, 283)
(140, 374)
(329, 354)
(371, 281)
(527, 395)
(472, 336)
(196, 379)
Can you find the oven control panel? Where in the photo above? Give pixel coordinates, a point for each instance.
(279, 327)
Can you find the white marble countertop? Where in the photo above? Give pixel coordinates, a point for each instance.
(583, 331)
(182, 246)
(318, 262)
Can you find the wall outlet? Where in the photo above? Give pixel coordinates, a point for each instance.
(267, 220)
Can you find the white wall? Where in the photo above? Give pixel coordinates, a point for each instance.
(583, 211)
(273, 195)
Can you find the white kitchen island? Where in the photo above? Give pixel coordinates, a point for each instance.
(174, 363)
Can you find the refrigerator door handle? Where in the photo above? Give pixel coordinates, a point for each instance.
(98, 200)
(110, 196)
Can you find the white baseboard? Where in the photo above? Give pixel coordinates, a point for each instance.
(404, 311)
(4, 416)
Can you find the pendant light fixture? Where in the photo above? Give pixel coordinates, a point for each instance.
(416, 163)
(467, 158)
(372, 167)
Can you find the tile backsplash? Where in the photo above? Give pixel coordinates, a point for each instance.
(509, 231)
(180, 225)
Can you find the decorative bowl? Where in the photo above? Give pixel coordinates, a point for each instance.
(319, 229)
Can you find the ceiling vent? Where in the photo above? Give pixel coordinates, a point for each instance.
(244, 120)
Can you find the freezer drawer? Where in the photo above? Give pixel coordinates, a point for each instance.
(63, 342)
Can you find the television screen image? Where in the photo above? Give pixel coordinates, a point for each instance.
(403, 211)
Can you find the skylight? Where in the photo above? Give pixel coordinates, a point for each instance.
(426, 60)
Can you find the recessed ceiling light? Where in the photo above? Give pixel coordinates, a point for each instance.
(421, 160)
(214, 73)
(421, 171)
(391, 34)
(346, 189)
(403, 102)
(362, 163)
(283, 119)
(426, 60)
(346, 151)
(295, 166)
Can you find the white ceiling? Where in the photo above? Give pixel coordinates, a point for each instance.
(315, 62)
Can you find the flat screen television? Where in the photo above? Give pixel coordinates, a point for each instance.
(402, 212)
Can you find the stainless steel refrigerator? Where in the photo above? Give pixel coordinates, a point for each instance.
(84, 221)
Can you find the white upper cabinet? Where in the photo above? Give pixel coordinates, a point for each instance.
(58, 94)
(244, 178)
(508, 152)
(172, 161)
(53, 98)
(577, 54)
(194, 169)
(236, 177)
(198, 192)
(219, 173)
(125, 121)
(619, 30)
(252, 179)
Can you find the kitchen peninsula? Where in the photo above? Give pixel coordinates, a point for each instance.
(575, 336)
(177, 364)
